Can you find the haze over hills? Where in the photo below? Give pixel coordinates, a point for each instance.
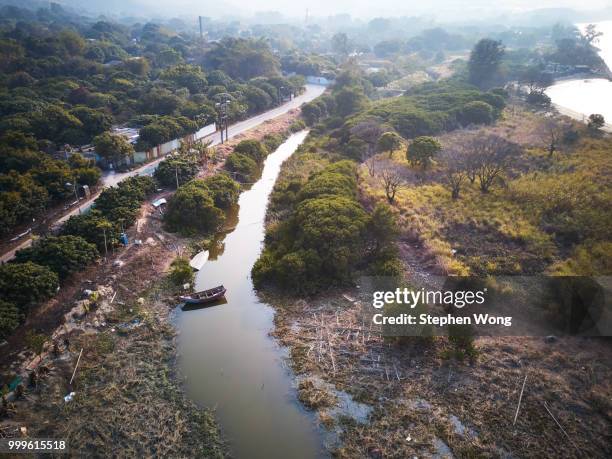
(271, 11)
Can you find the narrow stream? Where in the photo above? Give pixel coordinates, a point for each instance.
(229, 360)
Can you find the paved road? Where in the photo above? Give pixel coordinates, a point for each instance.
(112, 178)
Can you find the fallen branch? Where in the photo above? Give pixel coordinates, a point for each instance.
(76, 366)
(562, 429)
(518, 407)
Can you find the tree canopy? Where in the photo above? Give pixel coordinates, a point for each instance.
(64, 255)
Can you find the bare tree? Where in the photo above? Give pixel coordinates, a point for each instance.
(371, 165)
(369, 131)
(551, 133)
(489, 158)
(391, 180)
(455, 169)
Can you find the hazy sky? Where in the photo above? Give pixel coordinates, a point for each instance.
(372, 8)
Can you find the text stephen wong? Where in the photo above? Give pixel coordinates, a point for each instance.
(428, 319)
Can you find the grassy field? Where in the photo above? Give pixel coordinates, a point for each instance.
(548, 215)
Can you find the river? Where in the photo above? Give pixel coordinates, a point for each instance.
(581, 97)
(230, 361)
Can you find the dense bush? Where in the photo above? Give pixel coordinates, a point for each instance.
(62, 254)
(243, 166)
(180, 167)
(224, 190)
(192, 209)
(10, 318)
(254, 149)
(476, 112)
(272, 141)
(327, 236)
(94, 228)
(26, 284)
(431, 108)
(339, 179)
(181, 272)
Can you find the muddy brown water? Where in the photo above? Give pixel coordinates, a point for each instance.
(229, 360)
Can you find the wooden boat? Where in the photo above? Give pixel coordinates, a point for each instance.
(205, 296)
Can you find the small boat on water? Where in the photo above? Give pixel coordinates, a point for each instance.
(205, 296)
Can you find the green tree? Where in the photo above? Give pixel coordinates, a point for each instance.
(243, 166)
(94, 228)
(596, 122)
(62, 254)
(53, 121)
(183, 167)
(257, 99)
(241, 58)
(224, 190)
(94, 121)
(10, 318)
(192, 210)
(381, 229)
(312, 113)
(333, 227)
(340, 44)
(113, 147)
(422, 151)
(138, 66)
(349, 101)
(254, 149)
(476, 112)
(389, 141)
(26, 284)
(483, 65)
(72, 42)
(189, 76)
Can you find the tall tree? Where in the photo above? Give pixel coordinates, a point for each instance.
(422, 150)
(485, 58)
(113, 147)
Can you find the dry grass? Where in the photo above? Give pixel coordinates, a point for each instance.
(422, 401)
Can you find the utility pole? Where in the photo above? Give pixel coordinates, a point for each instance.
(105, 247)
(222, 110)
(227, 102)
(76, 194)
(176, 172)
(201, 29)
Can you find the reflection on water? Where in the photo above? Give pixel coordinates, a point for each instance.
(230, 362)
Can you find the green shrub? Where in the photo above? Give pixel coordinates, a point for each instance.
(10, 318)
(297, 126)
(331, 183)
(181, 272)
(185, 167)
(26, 284)
(254, 149)
(94, 228)
(476, 112)
(272, 141)
(224, 190)
(192, 210)
(243, 166)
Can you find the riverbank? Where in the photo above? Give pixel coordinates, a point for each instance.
(383, 397)
(127, 375)
(121, 337)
